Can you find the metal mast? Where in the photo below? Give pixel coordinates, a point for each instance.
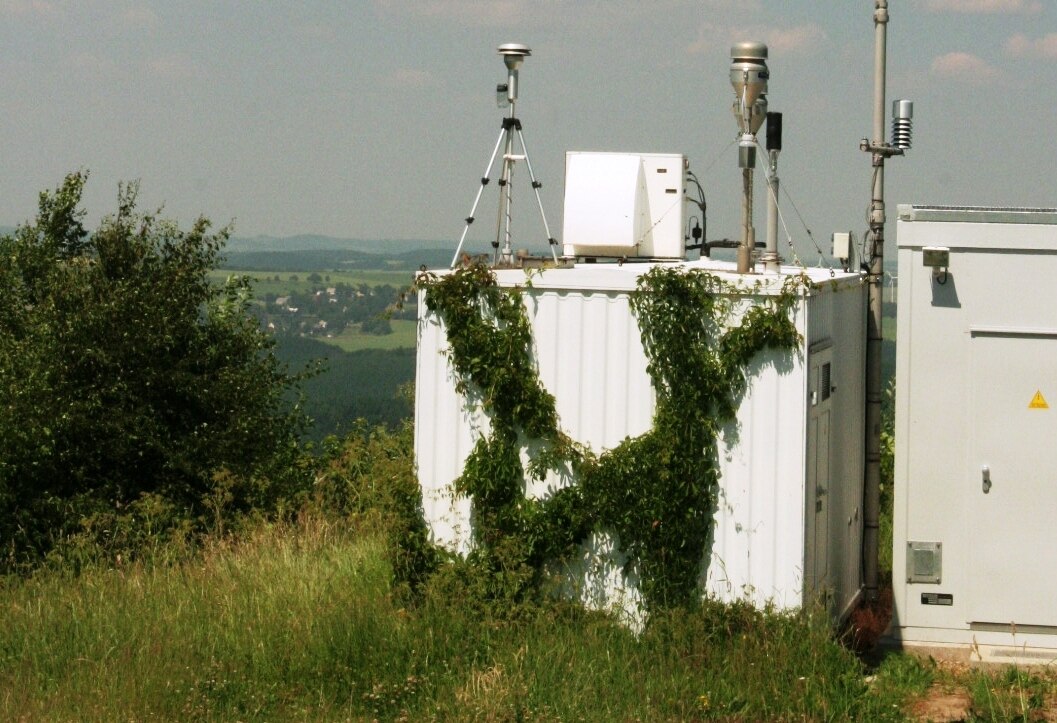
(879, 150)
(774, 147)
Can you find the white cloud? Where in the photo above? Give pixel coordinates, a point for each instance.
(131, 16)
(93, 64)
(739, 5)
(541, 13)
(316, 31)
(985, 7)
(795, 39)
(1021, 46)
(784, 40)
(964, 68)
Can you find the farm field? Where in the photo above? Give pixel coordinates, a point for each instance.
(264, 282)
(321, 319)
(352, 339)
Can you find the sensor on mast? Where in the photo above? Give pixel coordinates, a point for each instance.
(902, 124)
(748, 76)
(514, 55)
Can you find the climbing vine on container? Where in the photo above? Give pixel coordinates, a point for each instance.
(490, 347)
(657, 491)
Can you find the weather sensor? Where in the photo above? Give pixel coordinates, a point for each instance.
(748, 76)
(514, 55)
(902, 124)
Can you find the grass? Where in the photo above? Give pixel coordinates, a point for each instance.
(302, 621)
(1011, 694)
(252, 626)
(404, 336)
(954, 691)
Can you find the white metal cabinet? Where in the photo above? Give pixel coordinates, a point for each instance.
(976, 348)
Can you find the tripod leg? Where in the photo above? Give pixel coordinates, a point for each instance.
(536, 185)
(484, 182)
(502, 228)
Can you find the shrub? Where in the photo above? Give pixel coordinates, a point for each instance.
(125, 373)
(370, 476)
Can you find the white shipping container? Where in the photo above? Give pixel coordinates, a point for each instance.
(975, 545)
(788, 523)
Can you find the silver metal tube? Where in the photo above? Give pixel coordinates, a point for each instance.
(477, 199)
(539, 201)
(874, 390)
(511, 86)
(748, 77)
(748, 235)
(502, 227)
(770, 256)
(880, 56)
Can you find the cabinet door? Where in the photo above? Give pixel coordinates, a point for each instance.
(1012, 479)
(817, 504)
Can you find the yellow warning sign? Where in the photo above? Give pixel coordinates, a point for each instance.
(1038, 401)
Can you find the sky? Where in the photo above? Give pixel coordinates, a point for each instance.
(374, 119)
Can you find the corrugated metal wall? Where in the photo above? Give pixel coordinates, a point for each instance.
(590, 357)
(759, 549)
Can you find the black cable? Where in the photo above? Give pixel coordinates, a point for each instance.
(703, 206)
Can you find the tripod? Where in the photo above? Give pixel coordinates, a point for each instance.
(512, 54)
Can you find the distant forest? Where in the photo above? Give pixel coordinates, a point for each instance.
(353, 384)
(359, 384)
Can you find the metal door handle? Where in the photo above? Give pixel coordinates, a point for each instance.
(985, 472)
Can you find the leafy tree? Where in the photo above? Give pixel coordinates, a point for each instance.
(377, 325)
(124, 372)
